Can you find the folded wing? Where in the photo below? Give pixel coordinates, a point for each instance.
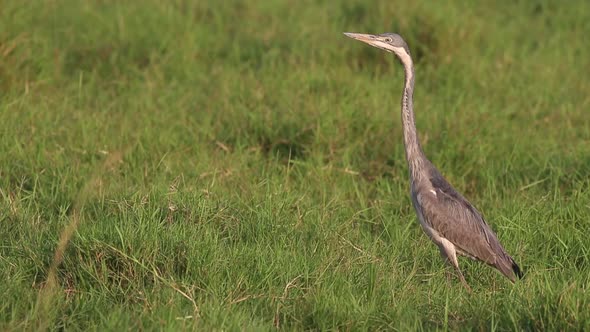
(455, 219)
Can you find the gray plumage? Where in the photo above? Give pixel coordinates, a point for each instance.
(450, 221)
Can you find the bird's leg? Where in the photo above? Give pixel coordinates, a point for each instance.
(462, 278)
(450, 275)
(447, 251)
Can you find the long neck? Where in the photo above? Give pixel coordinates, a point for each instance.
(414, 154)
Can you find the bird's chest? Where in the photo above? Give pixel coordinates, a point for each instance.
(424, 222)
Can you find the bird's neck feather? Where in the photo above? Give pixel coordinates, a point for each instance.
(414, 154)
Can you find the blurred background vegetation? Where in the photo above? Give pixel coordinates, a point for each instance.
(239, 165)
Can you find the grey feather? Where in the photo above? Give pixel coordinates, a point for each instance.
(454, 218)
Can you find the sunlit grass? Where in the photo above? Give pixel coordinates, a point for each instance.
(241, 166)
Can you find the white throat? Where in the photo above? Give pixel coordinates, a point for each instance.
(405, 58)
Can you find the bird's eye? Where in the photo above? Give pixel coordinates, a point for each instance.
(388, 40)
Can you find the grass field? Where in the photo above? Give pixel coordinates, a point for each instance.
(239, 165)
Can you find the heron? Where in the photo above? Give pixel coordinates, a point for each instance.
(448, 219)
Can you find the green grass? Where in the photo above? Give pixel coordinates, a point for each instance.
(241, 167)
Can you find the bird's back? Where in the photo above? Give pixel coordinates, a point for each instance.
(446, 213)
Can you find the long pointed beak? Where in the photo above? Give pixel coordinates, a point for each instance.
(372, 40)
(367, 38)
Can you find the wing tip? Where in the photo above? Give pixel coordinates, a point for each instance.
(517, 271)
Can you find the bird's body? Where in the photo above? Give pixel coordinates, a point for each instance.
(450, 221)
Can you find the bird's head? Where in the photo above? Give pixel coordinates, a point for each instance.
(390, 42)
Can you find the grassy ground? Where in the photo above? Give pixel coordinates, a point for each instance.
(191, 165)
